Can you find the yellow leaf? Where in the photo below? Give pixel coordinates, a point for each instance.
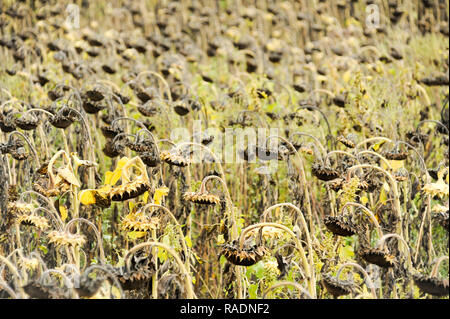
(383, 196)
(346, 252)
(145, 197)
(111, 178)
(86, 197)
(377, 146)
(131, 205)
(346, 76)
(159, 195)
(220, 239)
(115, 292)
(136, 234)
(108, 176)
(63, 212)
(188, 241)
(364, 200)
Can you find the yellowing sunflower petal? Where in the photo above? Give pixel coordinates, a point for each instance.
(63, 212)
(86, 197)
(159, 194)
(145, 197)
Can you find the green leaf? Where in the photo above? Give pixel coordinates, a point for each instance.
(253, 291)
(346, 252)
(43, 249)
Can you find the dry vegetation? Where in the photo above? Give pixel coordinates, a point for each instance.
(347, 199)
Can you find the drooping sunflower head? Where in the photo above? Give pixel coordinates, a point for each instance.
(323, 172)
(130, 189)
(432, 285)
(396, 155)
(339, 226)
(267, 232)
(173, 158)
(19, 208)
(29, 263)
(39, 222)
(66, 239)
(337, 287)
(348, 141)
(245, 256)
(137, 221)
(204, 198)
(378, 257)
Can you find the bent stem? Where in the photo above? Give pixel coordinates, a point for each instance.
(434, 271)
(368, 280)
(110, 274)
(287, 283)
(393, 184)
(302, 176)
(179, 229)
(97, 234)
(369, 213)
(30, 145)
(307, 265)
(187, 277)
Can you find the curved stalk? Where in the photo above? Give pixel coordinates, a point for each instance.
(367, 278)
(29, 145)
(369, 213)
(393, 184)
(97, 234)
(302, 176)
(179, 229)
(287, 283)
(110, 274)
(434, 271)
(306, 264)
(187, 277)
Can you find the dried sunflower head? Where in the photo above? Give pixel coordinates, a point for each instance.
(88, 286)
(401, 175)
(20, 208)
(337, 287)
(35, 289)
(323, 172)
(201, 198)
(396, 156)
(245, 256)
(173, 159)
(339, 226)
(378, 257)
(39, 222)
(440, 189)
(29, 263)
(130, 190)
(432, 285)
(336, 184)
(67, 239)
(137, 221)
(140, 272)
(347, 141)
(268, 232)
